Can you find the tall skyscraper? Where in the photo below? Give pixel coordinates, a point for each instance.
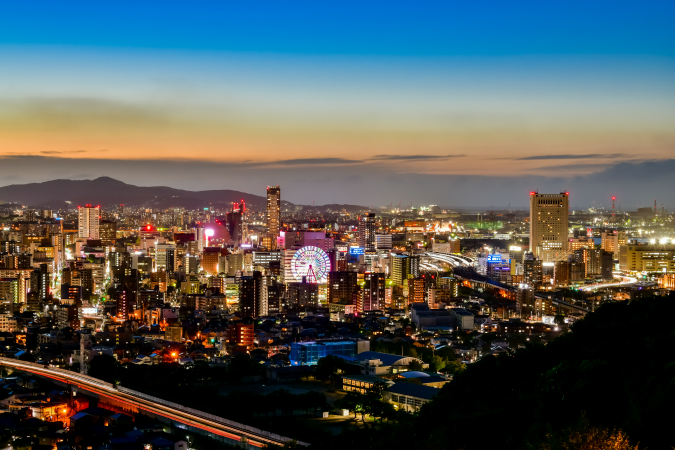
(367, 232)
(235, 225)
(273, 216)
(88, 221)
(548, 222)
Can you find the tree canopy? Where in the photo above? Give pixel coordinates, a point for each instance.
(606, 383)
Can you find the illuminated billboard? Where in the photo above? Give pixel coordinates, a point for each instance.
(495, 259)
(356, 250)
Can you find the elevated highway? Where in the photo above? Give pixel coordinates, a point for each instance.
(626, 281)
(187, 418)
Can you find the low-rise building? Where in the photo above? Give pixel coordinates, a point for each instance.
(408, 396)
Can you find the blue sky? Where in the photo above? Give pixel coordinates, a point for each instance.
(440, 28)
(363, 90)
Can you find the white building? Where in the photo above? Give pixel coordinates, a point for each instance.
(88, 221)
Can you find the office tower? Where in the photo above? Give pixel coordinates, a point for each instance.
(341, 286)
(88, 222)
(235, 226)
(373, 291)
(273, 216)
(404, 267)
(548, 222)
(249, 294)
(367, 232)
(107, 232)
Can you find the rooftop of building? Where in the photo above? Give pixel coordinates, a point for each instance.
(414, 390)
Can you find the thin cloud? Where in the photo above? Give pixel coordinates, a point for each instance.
(311, 161)
(572, 156)
(56, 152)
(413, 157)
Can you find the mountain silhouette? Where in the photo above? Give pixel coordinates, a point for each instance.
(106, 191)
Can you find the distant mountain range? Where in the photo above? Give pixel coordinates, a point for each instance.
(106, 191)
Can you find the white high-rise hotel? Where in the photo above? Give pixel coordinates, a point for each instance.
(88, 221)
(548, 222)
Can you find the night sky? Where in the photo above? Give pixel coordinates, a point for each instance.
(451, 103)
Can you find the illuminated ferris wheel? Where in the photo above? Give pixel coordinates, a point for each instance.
(310, 262)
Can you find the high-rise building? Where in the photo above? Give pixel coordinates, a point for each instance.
(124, 299)
(164, 257)
(367, 232)
(235, 227)
(88, 222)
(611, 241)
(273, 216)
(548, 222)
(210, 259)
(561, 273)
(270, 297)
(107, 232)
(341, 286)
(525, 300)
(532, 270)
(416, 290)
(249, 294)
(373, 291)
(404, 267)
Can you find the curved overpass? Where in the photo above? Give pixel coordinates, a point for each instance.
(452, 259)
(205, 423)
(626, 282)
